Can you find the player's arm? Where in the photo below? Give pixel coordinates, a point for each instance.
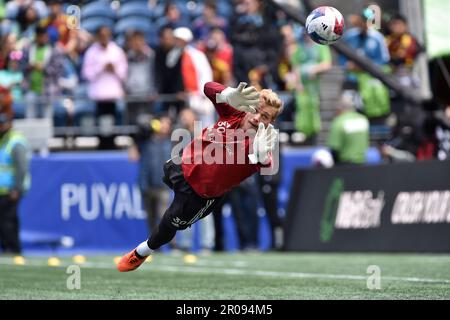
(229, 101)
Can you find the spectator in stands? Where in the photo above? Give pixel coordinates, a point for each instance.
(222, 70)
(77, 49)
(202, 26)
(2, 9)
(25, 27)
(105, 67)
(13, 7)
(12, 78)
(370, 43)
(172, 17)
(403, 49)
(168, 78)
(39, 59)
(349, 134)
(196, 71)
(152, 147)
(410, 139)
(57, 24)
(8, 42)
(442, 133)
(257, 44)
(308, 60)
(14, 175)
(140, 82)
(222, 50)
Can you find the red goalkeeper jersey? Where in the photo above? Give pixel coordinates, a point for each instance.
(215, 179)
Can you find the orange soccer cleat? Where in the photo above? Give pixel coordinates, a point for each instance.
(130, 262)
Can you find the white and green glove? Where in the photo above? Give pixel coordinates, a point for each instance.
(240, 98)
(263, 144)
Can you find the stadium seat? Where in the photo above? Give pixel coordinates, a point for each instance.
(224, 8)
(84, 109)
(92, 24)
(130, 1)
(190, 10)
(97, 9)
(133, 24)
(19, 110)
(157, 11)
(134, 9)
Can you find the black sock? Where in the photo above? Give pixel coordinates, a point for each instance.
(162, 236)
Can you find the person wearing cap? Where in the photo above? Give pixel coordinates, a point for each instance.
(14, 175)
(196, 72)
(349, 135)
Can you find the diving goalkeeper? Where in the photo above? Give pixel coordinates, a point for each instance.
(240, 142)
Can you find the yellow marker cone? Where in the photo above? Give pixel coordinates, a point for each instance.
(53, 262)
(190, 259)
(117, 259)
(79, 259)
(19, 260)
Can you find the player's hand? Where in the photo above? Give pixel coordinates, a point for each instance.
(263, 144)
(240, 98)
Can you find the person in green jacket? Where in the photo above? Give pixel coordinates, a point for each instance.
(349, 135)
(308, 61)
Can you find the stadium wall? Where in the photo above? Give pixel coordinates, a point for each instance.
(392, 208)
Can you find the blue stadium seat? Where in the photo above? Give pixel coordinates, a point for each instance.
(134, 9)
(190, 10)
(133, 24)
(129, 1)
(97, 9)
(92, 24)
(157, 11)
(224, 8)
(84, 108)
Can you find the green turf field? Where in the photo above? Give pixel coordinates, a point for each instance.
(234, 276)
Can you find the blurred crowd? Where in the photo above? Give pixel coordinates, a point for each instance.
(143, 64)
(117, 61)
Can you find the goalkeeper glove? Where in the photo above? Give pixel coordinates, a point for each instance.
(240, 98)
(263, 144)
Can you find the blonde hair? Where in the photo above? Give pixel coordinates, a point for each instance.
(271, 99)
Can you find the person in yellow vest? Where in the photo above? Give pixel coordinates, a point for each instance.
(14, 175)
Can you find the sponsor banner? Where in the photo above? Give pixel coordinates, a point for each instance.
(398, 207)
(91, 198)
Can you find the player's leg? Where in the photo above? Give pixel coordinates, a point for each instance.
(184, 211)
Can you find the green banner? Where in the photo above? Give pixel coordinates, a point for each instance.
(437, 27)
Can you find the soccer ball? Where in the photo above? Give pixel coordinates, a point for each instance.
(325, 25)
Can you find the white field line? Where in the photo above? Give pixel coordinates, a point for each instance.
(240, 272)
